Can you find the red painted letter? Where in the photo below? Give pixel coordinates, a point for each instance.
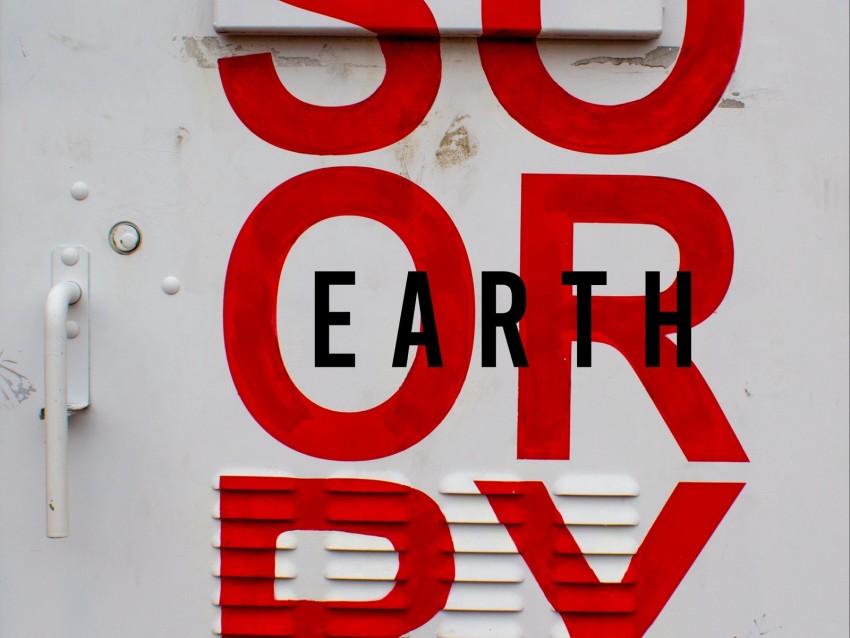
(551, 206)
(591, 609)
(256, 510)
(397, 107)
(250, 309)
(695, 85)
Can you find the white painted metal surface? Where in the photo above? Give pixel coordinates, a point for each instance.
(579, 19)
(127, 100)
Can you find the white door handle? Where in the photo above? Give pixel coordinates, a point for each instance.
(70, 270)
(59, 299)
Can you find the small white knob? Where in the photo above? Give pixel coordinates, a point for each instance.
(125, 237)
(72, 329)
(129, 241)
(70, 256)
(79, 191)
(171, 285)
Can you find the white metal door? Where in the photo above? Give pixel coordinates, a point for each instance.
(116, 112)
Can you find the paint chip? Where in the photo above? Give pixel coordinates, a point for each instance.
(457, 145)
(659, 57)
(730, 103)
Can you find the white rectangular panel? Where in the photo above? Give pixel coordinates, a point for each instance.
(580, 19)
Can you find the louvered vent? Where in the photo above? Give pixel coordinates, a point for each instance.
(599, 511)
(342, 543)
(486, 598)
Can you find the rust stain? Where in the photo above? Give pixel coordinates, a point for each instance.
(180, 136)
(410, 160)
(78, 46)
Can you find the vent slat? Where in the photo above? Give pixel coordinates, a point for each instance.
(596, 485)
(477, 597)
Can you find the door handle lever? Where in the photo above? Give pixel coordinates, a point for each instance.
(63, 391)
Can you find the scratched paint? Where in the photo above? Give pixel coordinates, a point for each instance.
(659, 57)
(15, 387)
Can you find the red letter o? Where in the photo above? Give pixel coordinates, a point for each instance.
(250, 308)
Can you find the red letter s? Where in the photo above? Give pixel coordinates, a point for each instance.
(397, 107)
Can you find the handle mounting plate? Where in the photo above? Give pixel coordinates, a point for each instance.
(71, 263)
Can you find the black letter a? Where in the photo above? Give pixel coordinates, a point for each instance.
(417, 287)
